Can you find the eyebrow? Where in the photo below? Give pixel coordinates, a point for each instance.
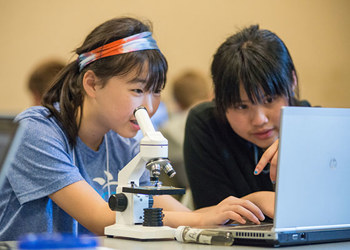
(138, 80)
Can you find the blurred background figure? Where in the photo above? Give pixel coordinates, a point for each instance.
(188, 89)
(41, 77)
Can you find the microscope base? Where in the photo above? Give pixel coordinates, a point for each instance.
(140, 232)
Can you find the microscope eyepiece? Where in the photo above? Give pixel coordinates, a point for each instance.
(140, 107)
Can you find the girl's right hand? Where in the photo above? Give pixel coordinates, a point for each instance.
(265, 200)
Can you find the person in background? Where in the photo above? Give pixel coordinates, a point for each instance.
(254, 77)
(41, 78)
(188, 89)
(73, 147)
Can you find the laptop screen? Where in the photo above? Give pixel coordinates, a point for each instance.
(312, 189)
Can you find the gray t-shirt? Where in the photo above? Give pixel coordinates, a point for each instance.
(44, 164)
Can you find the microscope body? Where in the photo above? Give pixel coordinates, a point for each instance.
(131, 199)
(129, 176)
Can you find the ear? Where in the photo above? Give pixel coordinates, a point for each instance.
(90, 81)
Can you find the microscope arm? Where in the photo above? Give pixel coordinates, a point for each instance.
(132, 172)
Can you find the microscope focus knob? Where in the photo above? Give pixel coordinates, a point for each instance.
(118, 202)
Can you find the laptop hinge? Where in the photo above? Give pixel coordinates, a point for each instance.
(323, 227)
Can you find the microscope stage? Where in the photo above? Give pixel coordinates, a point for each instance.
(154, 190)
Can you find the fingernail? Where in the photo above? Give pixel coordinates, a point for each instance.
(273, 182)
(255, 171)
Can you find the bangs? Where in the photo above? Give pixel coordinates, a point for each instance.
(263, 80)
(151, 60)
(260, 77)
(157, 67)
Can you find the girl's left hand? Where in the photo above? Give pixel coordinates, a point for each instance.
(231, 208)
(269, 156)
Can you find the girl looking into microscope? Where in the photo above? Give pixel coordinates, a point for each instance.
(76, 143)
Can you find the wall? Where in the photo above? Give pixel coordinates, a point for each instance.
(317, 33)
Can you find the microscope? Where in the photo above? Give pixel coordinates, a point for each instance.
(135, 217)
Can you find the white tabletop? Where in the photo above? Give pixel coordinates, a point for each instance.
(123, 244)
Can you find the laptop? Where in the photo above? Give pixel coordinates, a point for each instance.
(10, 136)
(312, 201)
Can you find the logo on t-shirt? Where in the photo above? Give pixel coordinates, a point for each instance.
(106, 183)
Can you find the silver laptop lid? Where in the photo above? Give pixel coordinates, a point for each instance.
(313, 177)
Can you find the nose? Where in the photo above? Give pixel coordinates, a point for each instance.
(259, 116)
(148, 104)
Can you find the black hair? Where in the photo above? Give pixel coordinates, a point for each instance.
(256, 59)
(68, 91)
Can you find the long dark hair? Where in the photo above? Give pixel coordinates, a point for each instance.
(67, 90)
(260, 61)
